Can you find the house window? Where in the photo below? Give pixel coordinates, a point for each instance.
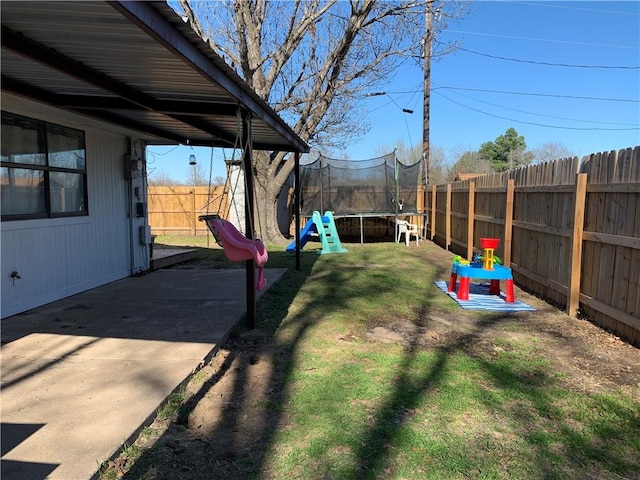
(43, 170)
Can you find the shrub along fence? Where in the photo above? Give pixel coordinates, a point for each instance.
(570, 231)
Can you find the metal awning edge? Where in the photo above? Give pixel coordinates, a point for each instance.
(150, 18)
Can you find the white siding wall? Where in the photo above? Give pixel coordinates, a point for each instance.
(60, 257)
(237, 197)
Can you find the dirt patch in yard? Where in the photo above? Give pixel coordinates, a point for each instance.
(234, 404)
(590, 358)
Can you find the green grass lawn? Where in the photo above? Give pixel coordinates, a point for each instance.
(490, 403)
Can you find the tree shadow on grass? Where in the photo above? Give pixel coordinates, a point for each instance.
(523, 399)
(242, 453)
(530, 404)
(245, 444)
(567, 434)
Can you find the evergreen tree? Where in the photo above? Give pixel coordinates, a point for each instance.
(507, 151)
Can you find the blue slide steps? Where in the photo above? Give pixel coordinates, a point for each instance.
(325, 227)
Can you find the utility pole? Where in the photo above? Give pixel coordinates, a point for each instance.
(426, 53)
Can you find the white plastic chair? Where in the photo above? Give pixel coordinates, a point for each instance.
(409, 229)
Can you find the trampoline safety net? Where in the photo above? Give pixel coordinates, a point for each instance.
(377, 185)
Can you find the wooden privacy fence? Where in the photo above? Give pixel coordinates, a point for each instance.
(175, 210)
(570, 232)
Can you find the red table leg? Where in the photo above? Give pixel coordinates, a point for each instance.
(463, 289)
(494, 289)
(508, 284)
(452, 282)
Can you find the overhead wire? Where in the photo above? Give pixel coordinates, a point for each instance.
(541, 114)
(443, 87)
(534, 62)
(550, 64)
(165, 153)
(510, 92)
(579, 97)
(566, 7)
(535, 123)
(570, 42)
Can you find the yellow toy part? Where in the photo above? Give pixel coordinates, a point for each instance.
(458, 259)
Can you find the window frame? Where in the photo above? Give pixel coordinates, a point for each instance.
(48, 169)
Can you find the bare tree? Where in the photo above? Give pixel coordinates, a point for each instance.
(470, 162)
(438, 168)
(411, 155)
(550, 151)
(407, 155)
(160, 178)
(198, 176)
(313, 61)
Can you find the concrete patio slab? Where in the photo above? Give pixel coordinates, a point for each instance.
(81, 376)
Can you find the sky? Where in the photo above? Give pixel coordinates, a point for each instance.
(536, 66)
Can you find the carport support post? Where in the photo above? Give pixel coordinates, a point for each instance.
(247, 146)
(296, 205)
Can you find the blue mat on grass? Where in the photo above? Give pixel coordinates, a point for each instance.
(481, 299)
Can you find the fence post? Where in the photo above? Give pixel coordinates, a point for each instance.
(433, 212)
(470, 219)
(579, 199)
(508, 222)
(193, 212)
(447, 241)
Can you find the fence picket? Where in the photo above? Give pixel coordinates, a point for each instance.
(598, 270)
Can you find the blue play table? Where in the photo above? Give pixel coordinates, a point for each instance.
(475, 270)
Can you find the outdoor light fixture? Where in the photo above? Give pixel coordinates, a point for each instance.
(192, 159)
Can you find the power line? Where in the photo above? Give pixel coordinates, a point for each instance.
(542, 94)
(446, 87)
(534, 123)
(165, 153)
(546, 63)
(542, 39)
(552, 5)
(541, 114)
(438, 87)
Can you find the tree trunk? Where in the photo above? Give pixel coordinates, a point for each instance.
(266, 223)
(268, 182)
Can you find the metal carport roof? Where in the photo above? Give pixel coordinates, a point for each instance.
(132, 64)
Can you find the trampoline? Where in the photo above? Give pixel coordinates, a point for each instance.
(378, 187)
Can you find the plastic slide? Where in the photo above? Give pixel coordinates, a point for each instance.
(237, 247)
(325, 227)
(328, 233)
(305, 234)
